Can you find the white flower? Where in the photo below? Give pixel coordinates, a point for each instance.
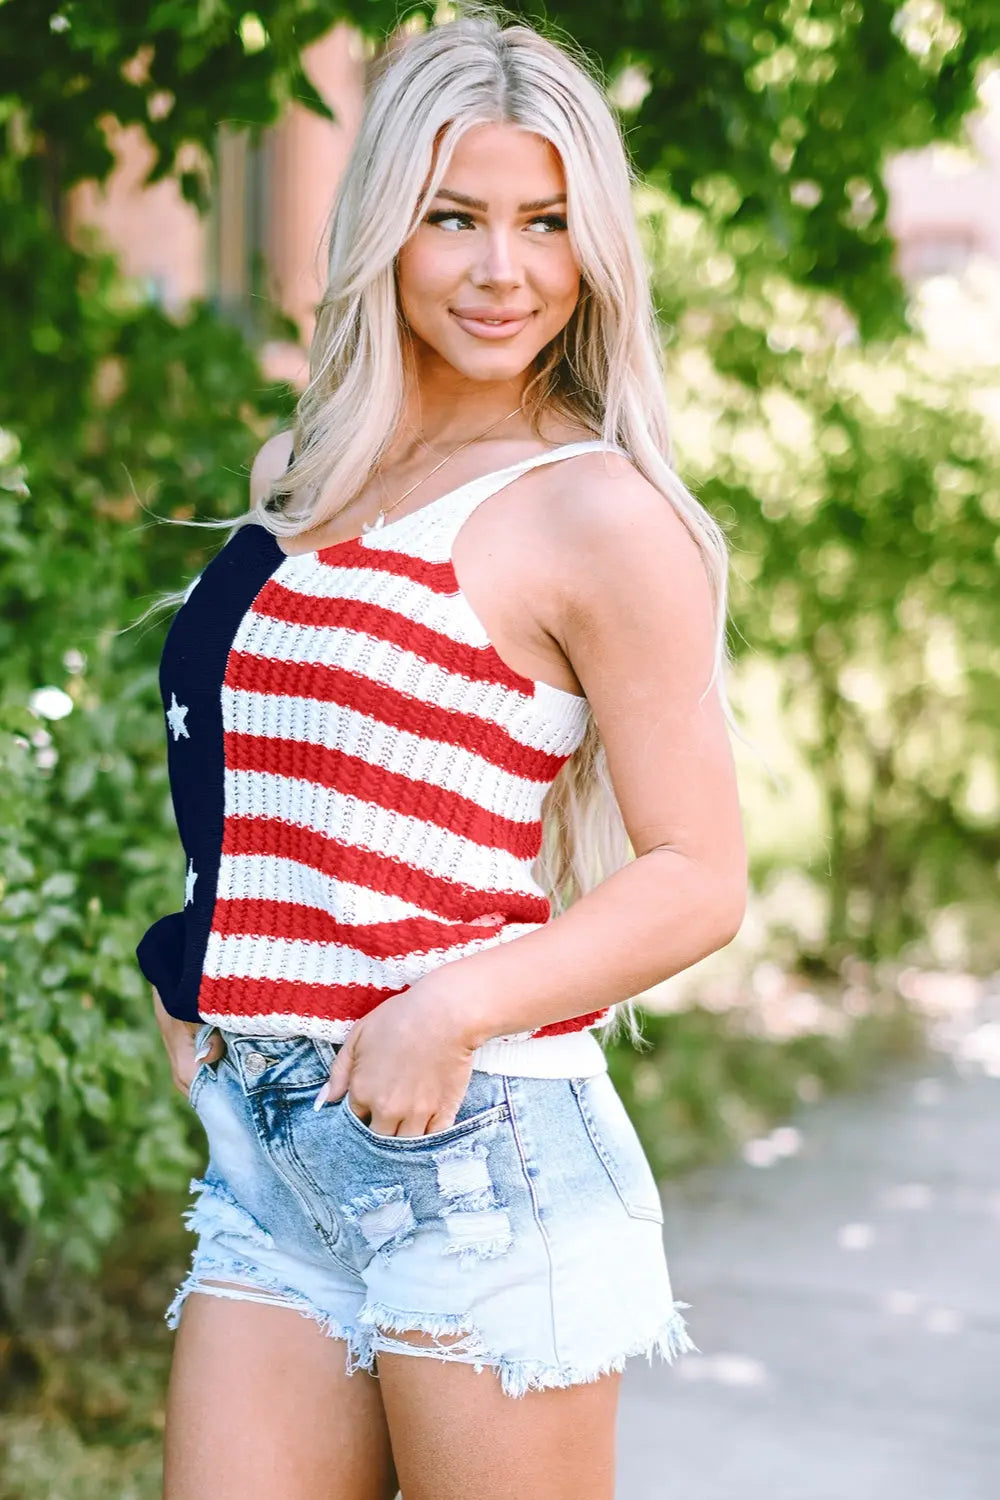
(50, 703)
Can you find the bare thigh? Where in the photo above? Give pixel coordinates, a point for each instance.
(456, 1436)
(260, 1405)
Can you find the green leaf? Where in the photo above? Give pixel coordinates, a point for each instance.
(28, 1189)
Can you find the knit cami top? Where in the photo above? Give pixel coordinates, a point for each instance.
(357, 778)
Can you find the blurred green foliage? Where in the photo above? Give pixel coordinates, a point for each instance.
(711, 1081)
(860, 486)
(856, 479)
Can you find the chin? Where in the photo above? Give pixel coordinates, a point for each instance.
(494, 364)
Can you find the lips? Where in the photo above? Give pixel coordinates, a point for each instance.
(491, 323)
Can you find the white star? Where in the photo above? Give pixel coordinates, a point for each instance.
(176, 714)
(189, 881)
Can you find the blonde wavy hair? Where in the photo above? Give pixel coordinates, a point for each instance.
(604, 369)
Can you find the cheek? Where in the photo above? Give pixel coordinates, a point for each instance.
(421, 276)
(559, 280)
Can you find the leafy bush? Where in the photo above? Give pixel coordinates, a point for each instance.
(163, 414)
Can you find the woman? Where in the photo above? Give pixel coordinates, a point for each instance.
(428, 1236)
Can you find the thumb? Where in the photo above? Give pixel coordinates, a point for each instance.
(216, 1048)
(340, 1074)
(213, 1048)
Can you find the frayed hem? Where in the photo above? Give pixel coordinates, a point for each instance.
(672, 1339)
(216, 1211)
(254, 1287)
(375, 1320)
(517, 1377)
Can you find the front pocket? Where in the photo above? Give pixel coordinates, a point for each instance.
(614, 1138)
(493, 1115)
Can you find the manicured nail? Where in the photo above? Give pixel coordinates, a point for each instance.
(203, 1053)
(322, 1096)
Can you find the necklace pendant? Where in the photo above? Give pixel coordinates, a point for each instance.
(375, 525)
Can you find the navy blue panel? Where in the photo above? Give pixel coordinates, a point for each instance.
(171, 953)
(161, 953)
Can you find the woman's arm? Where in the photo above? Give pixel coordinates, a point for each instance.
(629, 604)
(631, 610)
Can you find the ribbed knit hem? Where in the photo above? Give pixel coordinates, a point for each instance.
(571, 1054)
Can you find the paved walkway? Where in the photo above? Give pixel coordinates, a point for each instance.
(846, 1302)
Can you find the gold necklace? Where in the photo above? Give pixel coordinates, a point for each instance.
(385, 510)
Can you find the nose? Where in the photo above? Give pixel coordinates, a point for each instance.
(498, 264)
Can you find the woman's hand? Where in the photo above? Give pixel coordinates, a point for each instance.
(178, 1039)
(405, 1067)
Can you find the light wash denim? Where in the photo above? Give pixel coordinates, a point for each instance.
(526, 1238)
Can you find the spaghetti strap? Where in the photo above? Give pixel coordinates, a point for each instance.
(448, 515)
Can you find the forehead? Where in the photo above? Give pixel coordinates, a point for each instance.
(504, 159)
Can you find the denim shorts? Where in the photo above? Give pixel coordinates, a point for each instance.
(526, 1238)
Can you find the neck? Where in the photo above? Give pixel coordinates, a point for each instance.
(444, 408)
(446, 424)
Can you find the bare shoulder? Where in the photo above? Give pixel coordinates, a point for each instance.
(610, 528)
(631, 598)
(269, 465)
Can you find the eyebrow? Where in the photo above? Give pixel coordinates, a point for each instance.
(523, 208)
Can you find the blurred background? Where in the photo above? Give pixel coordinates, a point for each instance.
(818, 186)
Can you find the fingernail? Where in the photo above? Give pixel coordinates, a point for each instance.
(322, 1096)
(203, 1053)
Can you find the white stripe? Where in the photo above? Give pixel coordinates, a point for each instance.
(265, 877)
(297, 961)
(382, 662)
(364, 825)
(420, 760)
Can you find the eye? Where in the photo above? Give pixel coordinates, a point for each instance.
(442, 216)
(453, 219)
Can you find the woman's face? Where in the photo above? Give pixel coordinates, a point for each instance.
(488, 278)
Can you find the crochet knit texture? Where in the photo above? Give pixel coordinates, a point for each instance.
(358, 787)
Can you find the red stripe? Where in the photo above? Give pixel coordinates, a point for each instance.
(387, 789)
(480, 663)
(268, 997)
(438, 577)
(333, 1002)
(310, 924)
(378, 872)
(329, 684)
(575, 1023)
